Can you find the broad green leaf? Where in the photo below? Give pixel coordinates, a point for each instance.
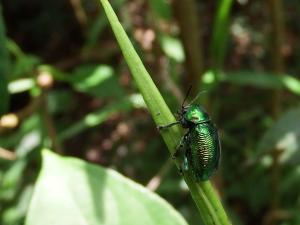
(70, 191)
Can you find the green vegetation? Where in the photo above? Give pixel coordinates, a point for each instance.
(92, 81)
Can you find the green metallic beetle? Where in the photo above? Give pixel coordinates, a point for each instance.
(201, 144)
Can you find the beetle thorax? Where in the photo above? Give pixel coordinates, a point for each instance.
(194, 114)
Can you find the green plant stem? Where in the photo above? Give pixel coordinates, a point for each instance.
(276, 36)
(187, 17)
(219, 41)
(204, 195)
(80, 14)
(49, 124)
(220, 34)
(277, 24)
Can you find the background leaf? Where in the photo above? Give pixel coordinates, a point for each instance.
(98, 80)
(284, 134)
(220, 33)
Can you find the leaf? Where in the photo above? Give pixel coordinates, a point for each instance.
(256, 79)
(21, 85)
(11, 180)
(24, 64)
(70, 191)
(16, 213)
(284, 135)
(172, 47)
(24, 142)
(95, 118)
(56, 100)
(96, 80)
(264, 80)
(290, 184)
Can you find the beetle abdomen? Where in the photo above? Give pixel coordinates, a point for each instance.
(204, 150)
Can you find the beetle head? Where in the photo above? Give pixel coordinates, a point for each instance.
(191, 114)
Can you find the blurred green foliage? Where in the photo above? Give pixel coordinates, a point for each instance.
(65, 86)
(4, 67)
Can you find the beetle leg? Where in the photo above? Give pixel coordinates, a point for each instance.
(181, 146)
(162, 127)
(184, 166)
(178, 149)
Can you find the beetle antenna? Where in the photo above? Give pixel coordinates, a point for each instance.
(186, 96)
(197, 96)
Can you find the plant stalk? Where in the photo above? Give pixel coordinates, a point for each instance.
(187, 17)
(204, 195)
